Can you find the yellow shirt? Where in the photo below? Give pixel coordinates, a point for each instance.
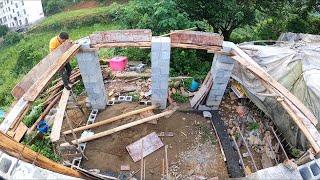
(54, 43)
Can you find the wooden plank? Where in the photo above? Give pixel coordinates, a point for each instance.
(197, 38)
(110, 120)
(151, 143)
(22, 152)
(205, 87)
(123, 44)
(58, 119)
(21, 130)
(45, 112)
(119, 36)
(13, 115)
(194, 46)
(122, 127)
(38, 70)
(40, 84)
(249, 63)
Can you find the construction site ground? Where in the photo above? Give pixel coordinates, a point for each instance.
(190, 151)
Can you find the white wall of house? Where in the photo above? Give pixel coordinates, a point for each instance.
(17, 13)
(34, 10)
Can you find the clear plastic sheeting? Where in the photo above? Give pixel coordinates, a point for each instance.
(294, 61)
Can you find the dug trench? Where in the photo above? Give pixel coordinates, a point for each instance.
(193, 150)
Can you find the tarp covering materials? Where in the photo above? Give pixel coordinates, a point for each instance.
(294, 61)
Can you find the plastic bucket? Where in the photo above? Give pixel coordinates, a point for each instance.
(194, 86)
(118, 63)
(43, 127)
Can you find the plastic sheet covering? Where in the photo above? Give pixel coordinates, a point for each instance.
(294, 61)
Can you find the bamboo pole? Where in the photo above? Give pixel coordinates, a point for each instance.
(110, 120)
(122, 127)
(239, 154)
(166, 157)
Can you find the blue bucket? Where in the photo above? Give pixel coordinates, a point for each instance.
(43, 127)
(194, 86)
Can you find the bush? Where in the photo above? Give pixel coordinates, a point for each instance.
(3, 30)
(179, 98)
(159, 16)
(12, 38)
(35, 113)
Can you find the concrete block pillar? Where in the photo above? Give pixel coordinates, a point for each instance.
(160, 64)
(221, 70)
(90, 70)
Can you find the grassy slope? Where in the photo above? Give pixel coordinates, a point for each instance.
(39, 39)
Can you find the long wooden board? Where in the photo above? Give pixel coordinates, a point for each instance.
(38, 70)
(196, 38)
(58, 119)
(13, 115)
(120, 128)
(34, 91)
(120, 36)
(22, 152)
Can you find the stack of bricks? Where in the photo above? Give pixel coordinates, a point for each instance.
(160, 65)
(221, 70)
(90, 70)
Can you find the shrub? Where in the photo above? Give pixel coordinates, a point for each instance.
(33, 115)
(3, 30)
(12, 38)
(179, 98)
(28, 56)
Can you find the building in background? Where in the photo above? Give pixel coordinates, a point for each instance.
(20, 13)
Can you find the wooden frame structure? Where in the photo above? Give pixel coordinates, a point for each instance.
(30, 87)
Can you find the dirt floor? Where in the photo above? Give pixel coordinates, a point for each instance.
(193, 150)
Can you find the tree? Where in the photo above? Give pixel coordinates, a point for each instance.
(3, 30)
(226, 15)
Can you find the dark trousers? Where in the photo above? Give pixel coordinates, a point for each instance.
(65, 74)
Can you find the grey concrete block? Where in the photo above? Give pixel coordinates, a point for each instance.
(128, 99)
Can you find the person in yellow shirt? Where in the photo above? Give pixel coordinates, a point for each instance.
(65, 73)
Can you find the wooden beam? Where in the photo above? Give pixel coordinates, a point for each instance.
(39, 85)
(22, 152)
(123, 44)
(110, 120)
(38, 70)
(194, 46)
(13, 115)
(197, 38)
(120, 36)
(45, 112)
(58, 119)
(122, 127)
(250, 64)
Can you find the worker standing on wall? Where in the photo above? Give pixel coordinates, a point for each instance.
(65, 73)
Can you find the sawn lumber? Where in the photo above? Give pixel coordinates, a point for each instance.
(110, 120)
(40, 84)
(120, 128)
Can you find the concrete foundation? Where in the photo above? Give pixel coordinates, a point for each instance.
(160, 65)
(221, 70)
(90, 70)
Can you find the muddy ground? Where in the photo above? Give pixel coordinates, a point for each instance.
(193, 150)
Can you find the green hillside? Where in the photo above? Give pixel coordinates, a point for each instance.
(16, 60)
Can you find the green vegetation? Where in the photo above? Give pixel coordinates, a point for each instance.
(295, 152)
(253, 126)
(33, 115)
(205, 133)
(3, 30)
(135, 96)
(179, 98)
(12, 38)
